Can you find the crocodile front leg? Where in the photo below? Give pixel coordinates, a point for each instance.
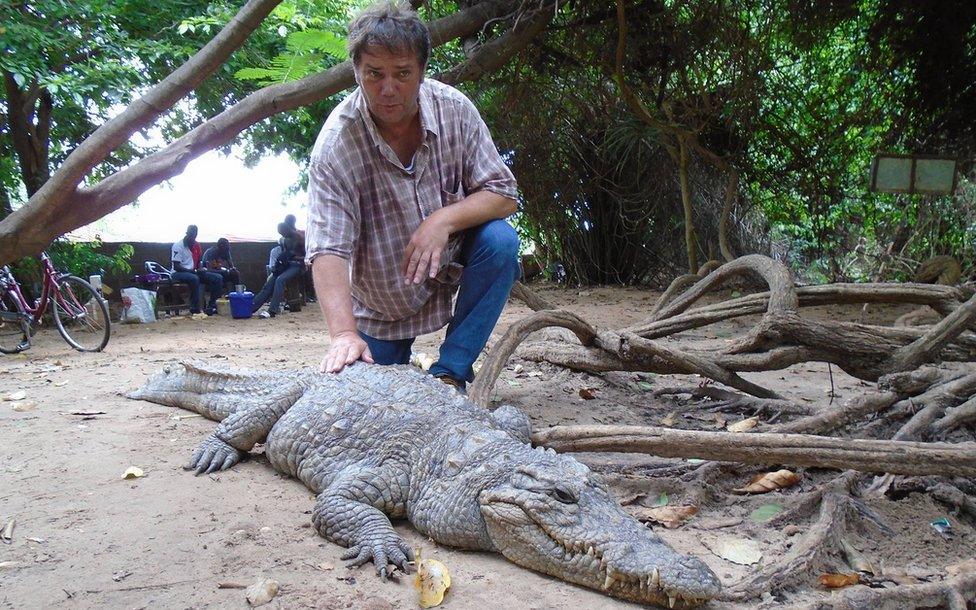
(237, 434)
(348, 513)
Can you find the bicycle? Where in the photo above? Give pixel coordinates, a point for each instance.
(79, 311)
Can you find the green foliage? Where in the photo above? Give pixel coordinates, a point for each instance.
(306, 54)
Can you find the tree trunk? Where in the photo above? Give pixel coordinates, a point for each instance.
(690, 240)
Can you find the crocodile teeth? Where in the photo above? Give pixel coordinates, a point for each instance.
(609, 583)
(671, 600)
(656, 578)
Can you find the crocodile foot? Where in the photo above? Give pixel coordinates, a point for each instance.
(212, 455)
(383, 552)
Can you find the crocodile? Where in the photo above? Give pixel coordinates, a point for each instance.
(376, 443)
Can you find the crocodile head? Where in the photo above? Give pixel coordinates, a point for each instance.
(554, 516)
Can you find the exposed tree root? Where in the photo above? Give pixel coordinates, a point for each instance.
(822, 540)
(954, 593)
(926, 390)
(896, 457)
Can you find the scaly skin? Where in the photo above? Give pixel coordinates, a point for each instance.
(376, 443)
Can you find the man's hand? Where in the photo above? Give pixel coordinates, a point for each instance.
(346, 348)
(422, 258)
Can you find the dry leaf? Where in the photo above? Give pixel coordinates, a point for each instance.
(422, 360)
(668, 516)
(34, 539)
(836, 581)
(963, 567)
(632, 498)
(24, 406)
(261, 592)
(737, 550)
(771, 481)
(855, 559)
(587, 393)
(8, 532)
(10, 564)
(670, 420)
(133, 472)
(742, 426)
(86, 413)
(18, 395)
(720, 421)
(431, 582)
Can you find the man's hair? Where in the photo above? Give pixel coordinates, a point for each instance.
(223, 242)
(290, 220)
(392, 25)
(191, 229)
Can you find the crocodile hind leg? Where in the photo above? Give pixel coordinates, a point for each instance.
(349, 513)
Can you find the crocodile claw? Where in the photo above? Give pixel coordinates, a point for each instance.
(212, 455)
(382, 554)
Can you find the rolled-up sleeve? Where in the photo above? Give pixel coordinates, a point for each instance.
(483, 166)
(334, 216)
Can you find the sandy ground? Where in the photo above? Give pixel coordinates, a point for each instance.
(85, 538)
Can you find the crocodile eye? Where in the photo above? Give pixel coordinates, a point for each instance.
(564, 496)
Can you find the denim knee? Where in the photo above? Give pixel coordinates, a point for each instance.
(498, 241)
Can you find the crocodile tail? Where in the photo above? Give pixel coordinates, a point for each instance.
(215, 392)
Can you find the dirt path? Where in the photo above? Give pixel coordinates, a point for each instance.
(85, 538)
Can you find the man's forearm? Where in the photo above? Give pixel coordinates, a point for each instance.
(475, 209)
(331, 276)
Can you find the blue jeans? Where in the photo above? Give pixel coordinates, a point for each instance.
(275, 288)
(491, 266)
(213, 281)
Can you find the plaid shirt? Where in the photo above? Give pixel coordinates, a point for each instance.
(364, 205)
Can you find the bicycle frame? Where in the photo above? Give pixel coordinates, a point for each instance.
(49, 288)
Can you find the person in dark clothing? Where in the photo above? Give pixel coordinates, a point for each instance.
(185, 259)
(217, 259)
(287, 263)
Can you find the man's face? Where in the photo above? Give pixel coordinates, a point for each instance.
(391, 84)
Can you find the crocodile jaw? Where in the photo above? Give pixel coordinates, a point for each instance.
(587, 539)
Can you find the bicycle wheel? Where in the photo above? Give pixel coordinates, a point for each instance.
(81, 315)
(14, 327)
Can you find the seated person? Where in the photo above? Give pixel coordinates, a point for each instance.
(186, 268)
(217, 259)
(287, 262)
(293, 230)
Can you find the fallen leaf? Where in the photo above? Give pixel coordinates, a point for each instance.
(855, 559)
(836, 581)
(7, 534)
(720, 421)
(325, 566)
(765, 512)
(670, 420)
(587, 393)
(61, 383)
(632, 498)
(662, 500)
(645, 386)
(261, 592)
(963, 567)
(231, 585)
(23, 406)
(668, 516)
(121, 575)
(133, 472)
(535, 373)
(86, 413)
(432, 581)
(422, 360)
(742, 426)
(10, 564)
(770, 481)
(33, 539)
(18, 395)
(737, 550)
